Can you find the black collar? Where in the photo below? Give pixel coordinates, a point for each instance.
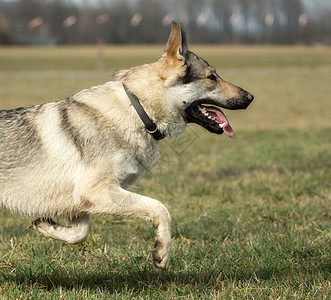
(150, 126)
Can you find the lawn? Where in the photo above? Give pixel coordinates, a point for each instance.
(251, 215)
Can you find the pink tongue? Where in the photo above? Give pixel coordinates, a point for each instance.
(222, 119)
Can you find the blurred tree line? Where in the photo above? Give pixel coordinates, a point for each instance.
(148, 21)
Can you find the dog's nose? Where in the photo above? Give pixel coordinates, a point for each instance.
(250, 97)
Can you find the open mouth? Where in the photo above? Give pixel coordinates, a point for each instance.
(207, 114)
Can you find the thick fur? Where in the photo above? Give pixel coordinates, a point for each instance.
(72, 158)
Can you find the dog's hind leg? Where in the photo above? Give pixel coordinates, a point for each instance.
(76, 232)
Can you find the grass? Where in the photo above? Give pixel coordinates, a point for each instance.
(251, 216)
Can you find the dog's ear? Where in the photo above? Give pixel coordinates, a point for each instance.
(184, 41)
(176, 47)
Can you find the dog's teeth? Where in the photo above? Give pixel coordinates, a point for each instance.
(222, 125)
(203, 110)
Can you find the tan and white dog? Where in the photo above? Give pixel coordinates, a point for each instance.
(69, 159)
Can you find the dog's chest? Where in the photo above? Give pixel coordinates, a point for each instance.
(131, 167)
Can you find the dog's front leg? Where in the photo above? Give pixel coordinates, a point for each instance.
(119, 202)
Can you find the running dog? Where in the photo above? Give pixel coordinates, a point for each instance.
(69, 159)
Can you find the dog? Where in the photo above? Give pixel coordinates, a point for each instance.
(69, 159)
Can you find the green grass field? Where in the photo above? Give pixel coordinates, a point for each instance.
(251, 215)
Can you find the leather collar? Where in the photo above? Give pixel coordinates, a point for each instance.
(150, 126)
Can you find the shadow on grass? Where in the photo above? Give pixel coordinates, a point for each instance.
(136, 280)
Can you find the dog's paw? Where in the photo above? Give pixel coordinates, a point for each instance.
(39, 223)
(161, 255)
(35, 223)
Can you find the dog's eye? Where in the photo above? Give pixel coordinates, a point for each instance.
(212, 77)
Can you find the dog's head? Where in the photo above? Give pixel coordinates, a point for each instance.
(195, 89)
